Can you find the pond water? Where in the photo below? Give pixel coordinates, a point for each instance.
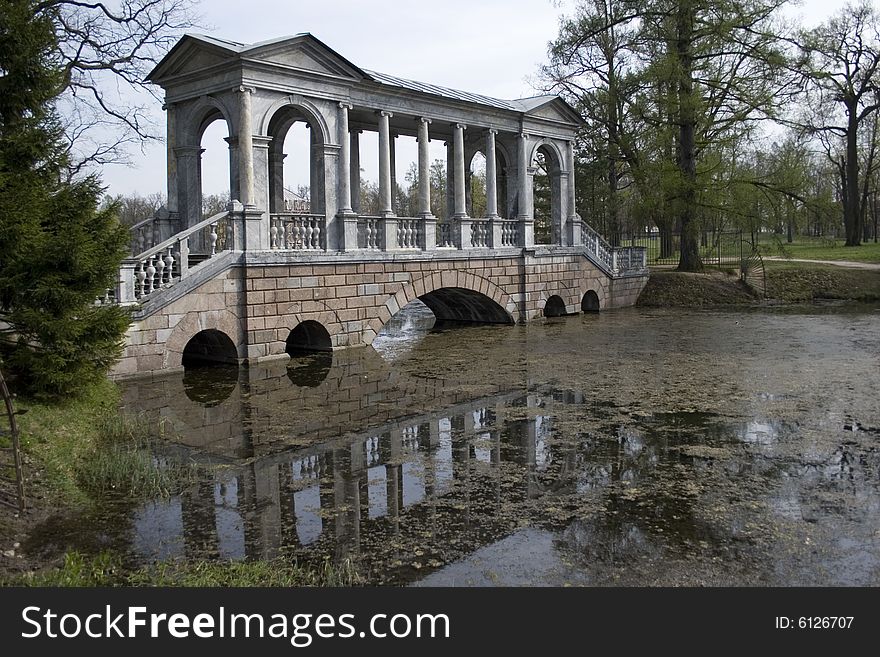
(634, 447)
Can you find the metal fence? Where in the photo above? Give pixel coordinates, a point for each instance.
(11, 473)
(717, 249)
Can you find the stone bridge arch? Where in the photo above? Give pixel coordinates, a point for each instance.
(452, 296)
(570, 294)
(195, 322)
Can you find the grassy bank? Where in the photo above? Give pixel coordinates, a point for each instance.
(106, 570)
(817, 248)
(82, 457)
(787, 282)
(82, 449)
(714, 288)
(800, 282)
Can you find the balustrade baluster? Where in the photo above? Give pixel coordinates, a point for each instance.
(169, 265)
(213, 238)
(273, 234)
(141, 276)
(151, 272)
(160, 270)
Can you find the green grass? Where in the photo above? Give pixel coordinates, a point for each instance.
(817, 248)
(84, 450)
(121, 462)
(106, 570)
(790, 282)
(56, 437)
(798, 282)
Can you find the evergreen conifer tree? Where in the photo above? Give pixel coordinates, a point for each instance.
(58, 252)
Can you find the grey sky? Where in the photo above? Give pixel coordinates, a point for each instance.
(491, 47)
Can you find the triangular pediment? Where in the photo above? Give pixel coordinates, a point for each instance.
(552, 108)
(305, 53)
(193, 53)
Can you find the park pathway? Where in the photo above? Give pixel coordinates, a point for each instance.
(839, 263)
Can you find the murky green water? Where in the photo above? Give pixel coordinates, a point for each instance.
(631, 447)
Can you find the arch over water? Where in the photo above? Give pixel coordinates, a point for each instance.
(456, 304)
(454, 296)
(308, 336)
(209, 346)
(590, 302)
(555, 307)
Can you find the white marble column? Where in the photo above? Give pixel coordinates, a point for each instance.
(491, 175)
(245, 146)
(344, 161)
(385, 165)
(522, 173)
(189, 188)
(170, 144)
(458, 150)
(450, 180)
(424, 169)
(392, 157)
(573, 228)
(276, 182)
(234, 170)
(355, 169)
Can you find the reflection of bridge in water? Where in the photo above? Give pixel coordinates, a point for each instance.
(317, 489)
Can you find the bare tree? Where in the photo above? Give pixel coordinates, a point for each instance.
(106, 50)
(839, 65)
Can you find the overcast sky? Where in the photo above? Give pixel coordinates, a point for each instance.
(491, 47)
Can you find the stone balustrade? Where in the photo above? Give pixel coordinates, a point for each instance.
(620, 260)
(480, 235)
(298, 232)
(166, 263)
(143, 235)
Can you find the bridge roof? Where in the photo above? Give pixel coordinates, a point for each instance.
(169, 66)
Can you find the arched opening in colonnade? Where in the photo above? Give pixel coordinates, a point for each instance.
(296, 163)
(216, 178)
(476, 190)
(475, 186)
(547, 195)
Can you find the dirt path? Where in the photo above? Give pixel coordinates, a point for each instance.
(838, 263)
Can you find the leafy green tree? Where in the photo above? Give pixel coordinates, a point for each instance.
(677, 85)
(58, 252)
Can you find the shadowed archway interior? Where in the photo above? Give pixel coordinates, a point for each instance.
(209, 346)
(460, 305)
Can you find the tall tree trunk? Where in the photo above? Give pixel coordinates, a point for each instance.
(851, 194)
(613, 156)
(687, 163)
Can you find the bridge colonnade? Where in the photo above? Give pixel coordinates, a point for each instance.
(261, 268)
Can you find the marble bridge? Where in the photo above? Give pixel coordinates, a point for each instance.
(263, 279)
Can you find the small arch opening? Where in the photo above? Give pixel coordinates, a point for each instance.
(590, 302)
(209, 347)
(555, 307)
(308, 336)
